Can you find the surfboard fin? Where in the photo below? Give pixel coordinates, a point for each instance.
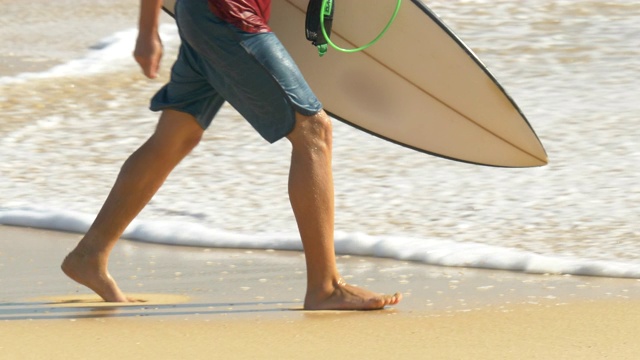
(313, 26)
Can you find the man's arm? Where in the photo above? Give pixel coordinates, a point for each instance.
(148, 51)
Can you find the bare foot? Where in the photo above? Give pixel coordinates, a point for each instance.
(349, 297)
(86, 270)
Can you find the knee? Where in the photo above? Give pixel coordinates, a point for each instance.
(177, 136)
(176, 146)
(180, 144)
(189, 141)
(315, 130)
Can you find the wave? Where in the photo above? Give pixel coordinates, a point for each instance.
(110, 54)
(438, 252)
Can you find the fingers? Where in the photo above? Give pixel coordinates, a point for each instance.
(150, 65)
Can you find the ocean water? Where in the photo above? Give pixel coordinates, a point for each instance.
(74, 106)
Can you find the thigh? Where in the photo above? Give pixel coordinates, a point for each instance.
(253, 72)
(188, 91)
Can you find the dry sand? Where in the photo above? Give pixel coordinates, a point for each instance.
(237, 304)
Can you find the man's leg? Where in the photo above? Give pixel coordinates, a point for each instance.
(311, 195)
(141, 176)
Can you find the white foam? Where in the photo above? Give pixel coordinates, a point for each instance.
(110, 54)
(428, 251)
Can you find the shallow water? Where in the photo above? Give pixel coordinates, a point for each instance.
(571, 66)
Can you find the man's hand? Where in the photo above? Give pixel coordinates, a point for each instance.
(148, 53)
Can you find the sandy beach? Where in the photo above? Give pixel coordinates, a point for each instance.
(207, 303)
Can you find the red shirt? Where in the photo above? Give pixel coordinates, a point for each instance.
(247, 15)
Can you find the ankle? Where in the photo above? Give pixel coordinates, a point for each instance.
(87, 255)
(324, 289)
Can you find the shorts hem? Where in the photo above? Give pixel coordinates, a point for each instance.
(170, 107)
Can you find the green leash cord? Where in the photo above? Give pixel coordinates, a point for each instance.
(326, 9)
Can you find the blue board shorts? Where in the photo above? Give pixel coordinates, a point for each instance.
(252, 71)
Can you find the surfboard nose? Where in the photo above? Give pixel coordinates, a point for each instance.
(527, 152)
(534, 149)
(537, 160)
(543, 157)
(499, 154)
(534, 155)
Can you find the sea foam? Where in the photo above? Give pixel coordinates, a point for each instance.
(110, 54)
(438, 252)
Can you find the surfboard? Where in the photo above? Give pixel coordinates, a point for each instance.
(420, 86)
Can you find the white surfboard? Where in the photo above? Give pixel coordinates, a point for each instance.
(420, 86)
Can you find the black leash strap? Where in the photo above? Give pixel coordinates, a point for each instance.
(313, 27)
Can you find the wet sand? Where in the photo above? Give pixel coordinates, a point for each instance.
(212, 303)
